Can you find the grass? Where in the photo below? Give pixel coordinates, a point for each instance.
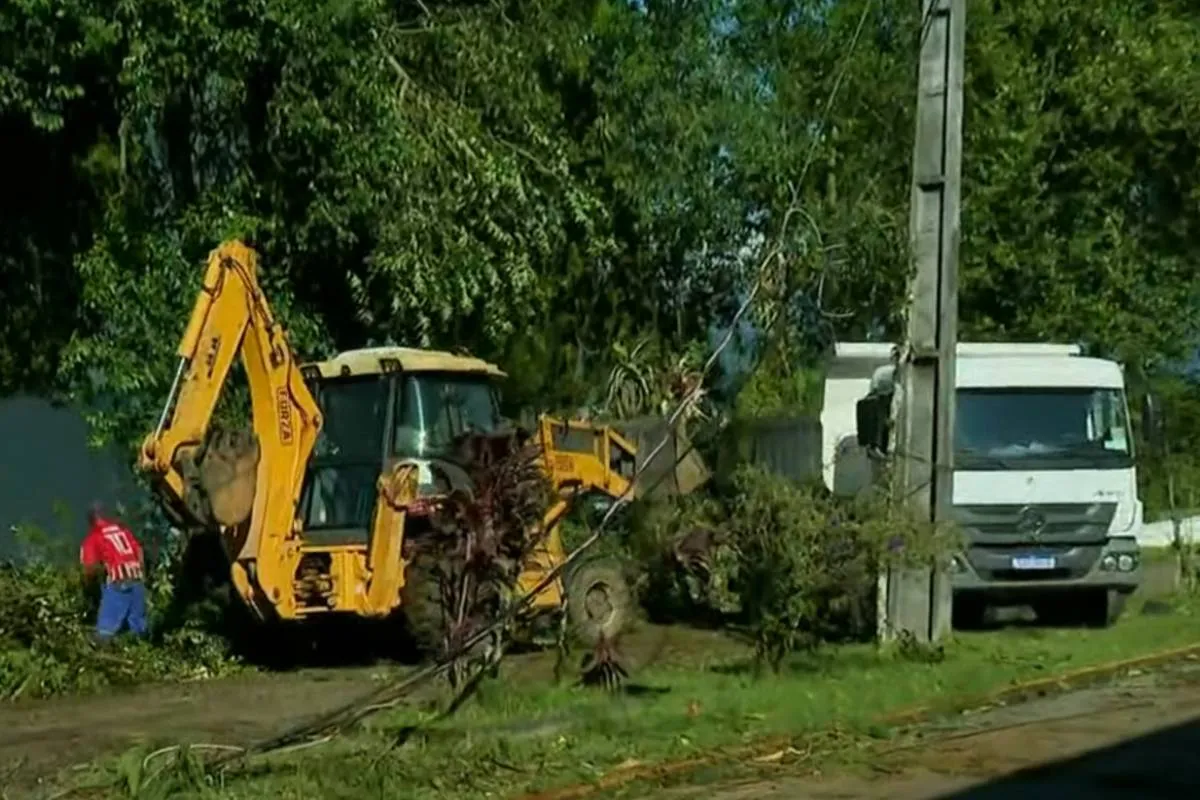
(1157, 555)
(521, 735)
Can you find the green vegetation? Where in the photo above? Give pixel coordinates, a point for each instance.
(46, 647)
(582, 191)
(1172, 484)
(701, 695)
(784, 597)
(795, 565)
(537, 182)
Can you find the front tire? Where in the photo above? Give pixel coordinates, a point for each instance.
(969, 611)
(421, 604)
(428, 622)
(1106, 607)
(600, 603)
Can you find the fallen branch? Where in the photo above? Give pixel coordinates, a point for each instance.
(176, 748)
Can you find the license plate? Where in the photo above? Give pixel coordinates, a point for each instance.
(1033, 562)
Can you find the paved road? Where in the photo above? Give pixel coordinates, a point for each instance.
(1139, 738)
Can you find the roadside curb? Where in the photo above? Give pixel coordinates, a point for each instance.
(1028, 690)
(1015, 693)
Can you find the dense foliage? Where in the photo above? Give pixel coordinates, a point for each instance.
(541, 182)
(794, 564)
(1170, 482)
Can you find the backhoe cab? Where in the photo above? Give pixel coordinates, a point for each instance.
(317, 505)
(382, 407)
(391, 418)
(396, 411)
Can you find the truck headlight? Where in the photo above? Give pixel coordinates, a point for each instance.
(1108, 563)
(1126, 562)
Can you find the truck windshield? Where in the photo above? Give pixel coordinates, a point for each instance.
(435, 408)
(1041, 429)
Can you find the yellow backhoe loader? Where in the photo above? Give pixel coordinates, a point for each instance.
(318, 503)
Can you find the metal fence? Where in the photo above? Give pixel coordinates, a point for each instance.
(786, 446)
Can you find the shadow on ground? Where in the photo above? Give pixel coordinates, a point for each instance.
(1162, 764)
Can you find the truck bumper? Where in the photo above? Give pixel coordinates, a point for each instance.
(1097, 566)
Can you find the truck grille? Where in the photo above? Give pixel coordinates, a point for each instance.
(1049, 523)
(994, 562)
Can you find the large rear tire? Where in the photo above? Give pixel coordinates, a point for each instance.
(428, 621)
(421, 603)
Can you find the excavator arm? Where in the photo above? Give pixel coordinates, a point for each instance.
(246, 484)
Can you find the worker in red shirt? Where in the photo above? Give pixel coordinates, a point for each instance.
(111, 548)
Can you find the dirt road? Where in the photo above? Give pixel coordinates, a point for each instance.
(39, 738)
(1135, 739)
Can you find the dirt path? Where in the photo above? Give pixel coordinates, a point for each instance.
(1136, 739)
(38, 738)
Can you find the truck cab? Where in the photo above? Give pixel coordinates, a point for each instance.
(1045, 488)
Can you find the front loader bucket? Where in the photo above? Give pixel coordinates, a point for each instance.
(228, 475)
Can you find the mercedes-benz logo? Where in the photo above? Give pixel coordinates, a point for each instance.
(1030, 522)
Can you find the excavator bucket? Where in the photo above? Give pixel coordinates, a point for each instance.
(228, 474)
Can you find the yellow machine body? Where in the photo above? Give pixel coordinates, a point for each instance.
(346, 458)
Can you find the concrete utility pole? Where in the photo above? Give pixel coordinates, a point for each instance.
(919, 601)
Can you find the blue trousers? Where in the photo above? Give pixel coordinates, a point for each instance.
(121, 604)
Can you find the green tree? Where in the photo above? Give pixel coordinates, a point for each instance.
(537, 182)
(1081, 130)
(441, 173)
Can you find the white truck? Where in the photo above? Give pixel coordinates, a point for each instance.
(1045, 490)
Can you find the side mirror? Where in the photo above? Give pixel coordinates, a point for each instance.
(1153, 427)
(872, 419)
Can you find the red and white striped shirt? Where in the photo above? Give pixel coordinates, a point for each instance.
(113, 545)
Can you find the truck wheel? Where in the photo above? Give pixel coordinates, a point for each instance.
(969, 611)
(1106, 607)
(599, 602)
